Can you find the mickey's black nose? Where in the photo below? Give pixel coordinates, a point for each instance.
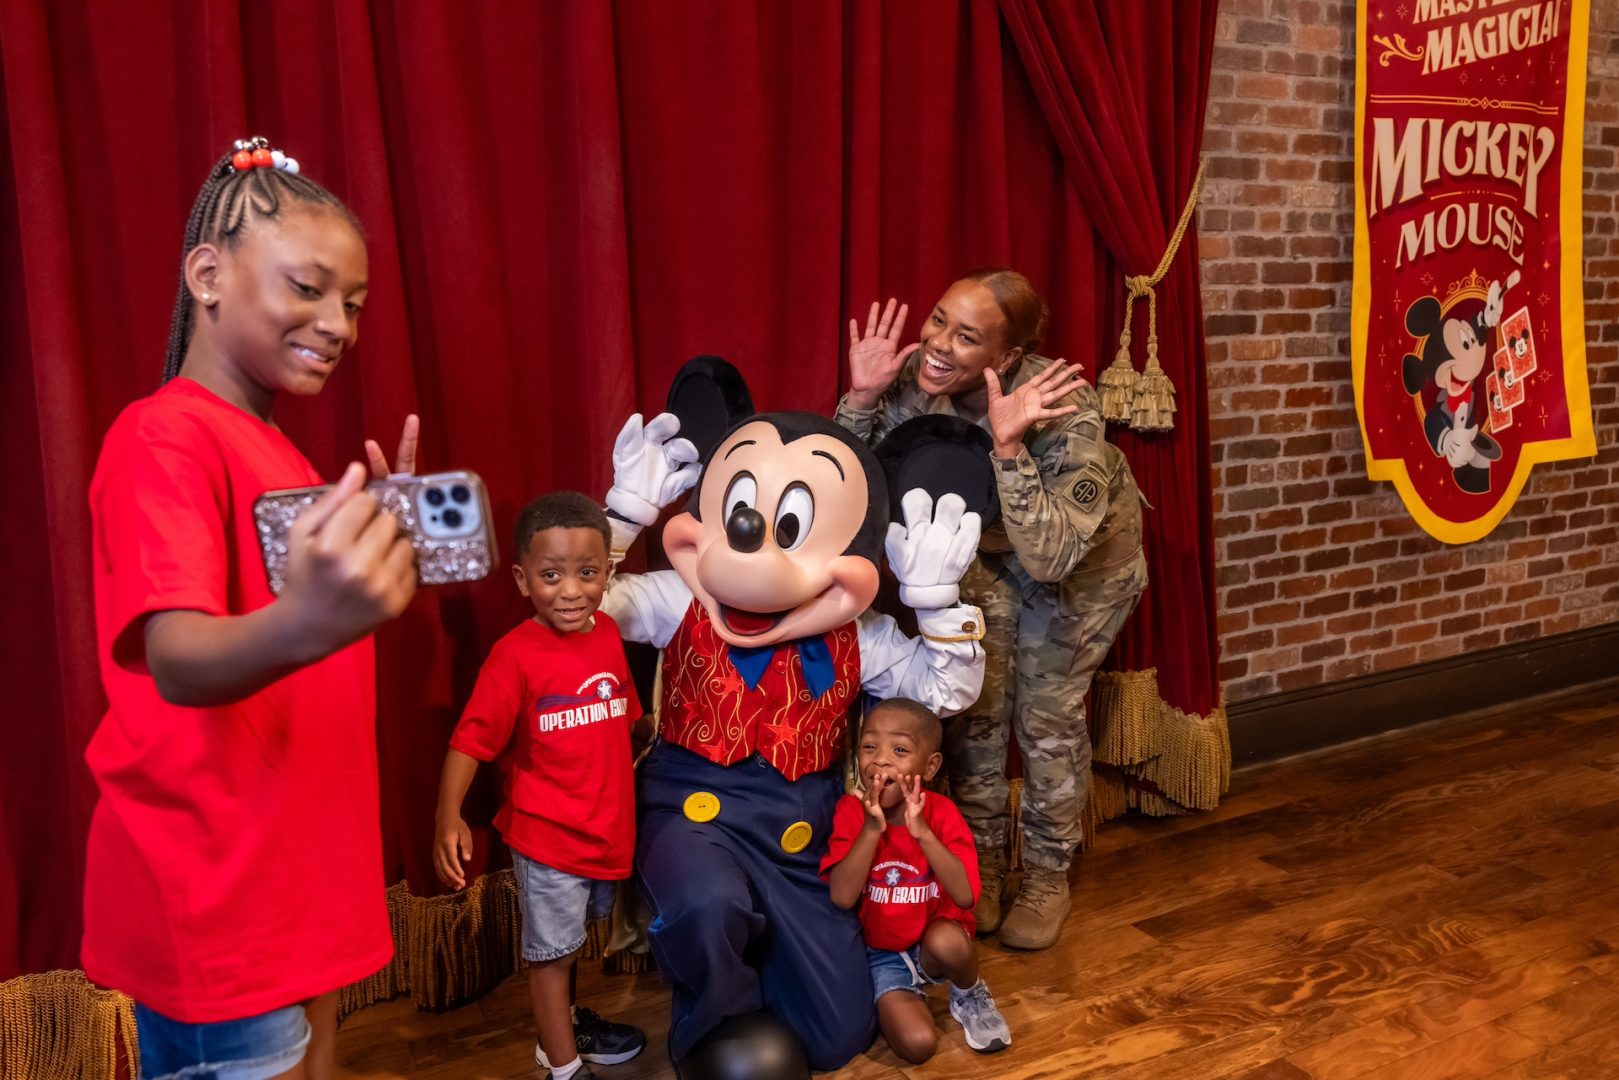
(745, 529)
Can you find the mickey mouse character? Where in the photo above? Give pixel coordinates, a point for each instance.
(767, 642)
(1454, 352)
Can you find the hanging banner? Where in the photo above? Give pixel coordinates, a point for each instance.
(1468, 333)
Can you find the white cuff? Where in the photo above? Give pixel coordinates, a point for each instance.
(929, 597)
(628, 505)
(961, 622)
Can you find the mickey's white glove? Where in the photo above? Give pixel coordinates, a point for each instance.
(1456, 441)
(651, 468)
(1493, 304)
(932, 550)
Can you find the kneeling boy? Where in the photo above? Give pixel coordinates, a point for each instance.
(906, 856)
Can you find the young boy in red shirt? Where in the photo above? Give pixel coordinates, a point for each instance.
(906, 856)
(554, 704)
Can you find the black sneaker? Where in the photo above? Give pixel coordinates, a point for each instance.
(603, 1042)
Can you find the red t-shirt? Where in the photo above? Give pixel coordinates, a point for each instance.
(570, 788)
(234, 863)
(902, 895)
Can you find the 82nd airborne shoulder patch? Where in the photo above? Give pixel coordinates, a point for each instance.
(1085, 492)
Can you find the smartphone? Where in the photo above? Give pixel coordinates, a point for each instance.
(446, 515)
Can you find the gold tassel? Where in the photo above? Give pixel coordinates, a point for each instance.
(1147, 400)
(1154, 408)
(1117, 385)
(58, 1025)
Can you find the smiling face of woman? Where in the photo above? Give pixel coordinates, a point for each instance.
(964, 333)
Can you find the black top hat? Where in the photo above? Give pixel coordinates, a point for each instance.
(709, 396)
(941, 454)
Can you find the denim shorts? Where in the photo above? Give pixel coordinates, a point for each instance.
(556, 907)
(253, 1048)
(898, 971)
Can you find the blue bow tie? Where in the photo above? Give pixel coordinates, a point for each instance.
(814, 655)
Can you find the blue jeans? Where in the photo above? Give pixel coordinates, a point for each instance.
(253, 1048)
(557, 906)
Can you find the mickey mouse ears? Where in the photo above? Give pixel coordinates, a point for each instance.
(709, 395)
(941, 455)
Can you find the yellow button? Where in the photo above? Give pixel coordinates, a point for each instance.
(797, 837)
(703, 806)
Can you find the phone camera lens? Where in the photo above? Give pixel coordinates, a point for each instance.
(452, 518)
(434, 497)
(460, 493)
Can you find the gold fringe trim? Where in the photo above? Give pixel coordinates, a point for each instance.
(58, 1025)
(1183, 761)
(450, 949)
(1147, 756)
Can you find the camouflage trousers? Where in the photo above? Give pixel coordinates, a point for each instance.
(1038, 665)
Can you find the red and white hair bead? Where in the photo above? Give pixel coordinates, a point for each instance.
(255, 153)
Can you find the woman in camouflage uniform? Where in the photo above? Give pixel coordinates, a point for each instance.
(1055, 580)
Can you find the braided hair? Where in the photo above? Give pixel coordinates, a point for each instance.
(230, 199)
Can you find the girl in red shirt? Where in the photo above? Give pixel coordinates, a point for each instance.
(233, 876)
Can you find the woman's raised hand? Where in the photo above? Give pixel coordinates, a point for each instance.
(1012, 415)
(874, 360)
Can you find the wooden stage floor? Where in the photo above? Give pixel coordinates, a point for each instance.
(1442, 902)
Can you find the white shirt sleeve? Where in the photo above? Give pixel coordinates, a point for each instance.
(647, 607)
(943, 668)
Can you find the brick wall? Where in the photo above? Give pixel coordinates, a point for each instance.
(1322, 573)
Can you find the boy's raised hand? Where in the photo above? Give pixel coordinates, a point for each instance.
(872, 800)
(452, 848)
(349, 568)
(915, 799)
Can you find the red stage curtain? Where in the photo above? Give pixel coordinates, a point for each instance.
(564, 201)
(1123, 89)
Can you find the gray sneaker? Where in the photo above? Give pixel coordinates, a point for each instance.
(975, 1010)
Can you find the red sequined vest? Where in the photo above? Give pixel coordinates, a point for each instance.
(708, 709)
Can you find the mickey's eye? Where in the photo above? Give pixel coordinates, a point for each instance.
(794, 517)
(744, 491)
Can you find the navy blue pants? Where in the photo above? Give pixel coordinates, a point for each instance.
(740, 923)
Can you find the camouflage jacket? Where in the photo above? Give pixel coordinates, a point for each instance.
(1070, 511)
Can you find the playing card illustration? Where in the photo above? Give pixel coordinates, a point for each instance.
(1500, 411)
(1518, 339)
(1510, 385)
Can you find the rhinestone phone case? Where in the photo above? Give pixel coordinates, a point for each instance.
(445, 514)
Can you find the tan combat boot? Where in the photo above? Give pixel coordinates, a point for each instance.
(991, 880)
(1035, 921)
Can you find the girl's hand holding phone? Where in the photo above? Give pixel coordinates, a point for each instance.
(349, 568)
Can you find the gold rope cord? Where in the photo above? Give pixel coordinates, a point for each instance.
(61, 1026)
(1146, 400)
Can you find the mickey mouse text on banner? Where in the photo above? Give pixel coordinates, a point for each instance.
(1468, 341)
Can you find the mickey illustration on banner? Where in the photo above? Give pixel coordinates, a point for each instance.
(1449, 355)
